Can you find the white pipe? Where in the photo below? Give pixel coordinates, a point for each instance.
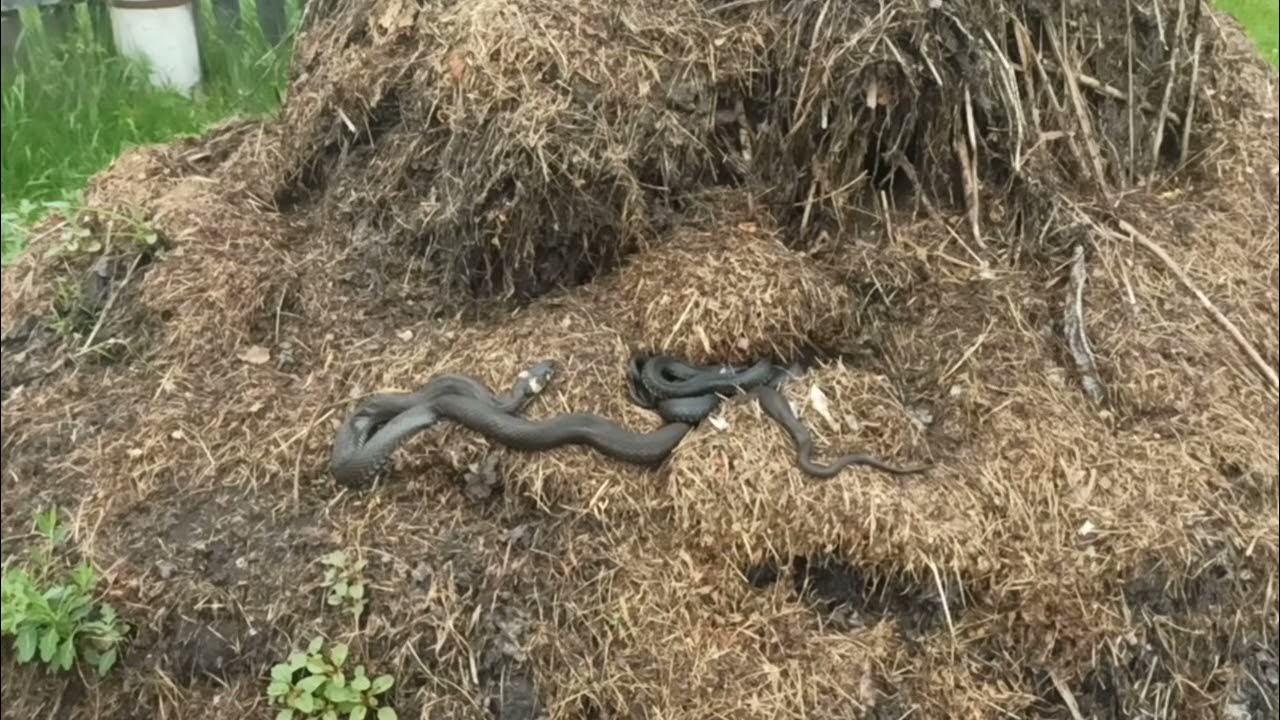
(163, 33)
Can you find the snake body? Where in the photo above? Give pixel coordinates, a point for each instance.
(606, 436)
(665, 378)
(367, 439)
(683, 395)
(777, 407)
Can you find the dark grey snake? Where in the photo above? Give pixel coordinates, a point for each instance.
(682, 395)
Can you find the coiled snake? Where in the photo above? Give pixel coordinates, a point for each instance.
(683, 395)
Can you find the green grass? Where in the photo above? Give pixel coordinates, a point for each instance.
(75, 106)
(1261, 18)
(51, 611)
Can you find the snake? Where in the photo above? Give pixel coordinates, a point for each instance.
(367, 439)
(682, 394)
(777, 407)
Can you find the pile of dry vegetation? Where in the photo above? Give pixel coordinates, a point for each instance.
(1033, 242)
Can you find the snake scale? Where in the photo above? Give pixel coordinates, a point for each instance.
(681, 394)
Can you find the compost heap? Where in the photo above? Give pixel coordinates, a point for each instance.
(979, 224)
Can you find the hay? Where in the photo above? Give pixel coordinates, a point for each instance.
(523, 145)
(1113, 558)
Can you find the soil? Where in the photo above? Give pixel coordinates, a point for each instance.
(891, 195)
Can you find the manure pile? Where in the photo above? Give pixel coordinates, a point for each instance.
(1033, 243)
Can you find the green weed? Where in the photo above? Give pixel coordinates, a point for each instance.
(345, 581)
(314, 684)
(18, 218)
(54, 618)
(79, 236)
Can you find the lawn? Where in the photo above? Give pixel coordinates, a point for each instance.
(1260, 18)
(76, 106)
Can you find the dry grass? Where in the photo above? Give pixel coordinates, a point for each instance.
(1120, 554)
(521, 145)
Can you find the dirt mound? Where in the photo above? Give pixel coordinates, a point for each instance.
(521, 145)
(966, 219)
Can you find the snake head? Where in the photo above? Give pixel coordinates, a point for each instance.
(539, 376)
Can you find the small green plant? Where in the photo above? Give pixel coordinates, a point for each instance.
(55, 536)
(68, 317)
(17, 221)
(57, 622)
(313, 684)
(345, 581)
(79, 237)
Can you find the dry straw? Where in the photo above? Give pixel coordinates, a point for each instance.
(895, 190)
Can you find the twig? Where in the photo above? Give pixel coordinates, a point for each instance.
(887, 215)
(808, 203)
(968, 178)
(1133, 133)
(1031, 59)
(902, 164)
(57, 704)
(1168, 89)
(1223, 321)
(279, 308)
(1073, 329)
(1191, 99)
(1077, 103)
(1115, 93)
(1068, 698)
(942, 596)
(1028, 79)
(54, 227)
(1009, 84)
(1164, 42)
(744, 133)
(732, 5)
(968, 353)
(111, 301)
(316, 419)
